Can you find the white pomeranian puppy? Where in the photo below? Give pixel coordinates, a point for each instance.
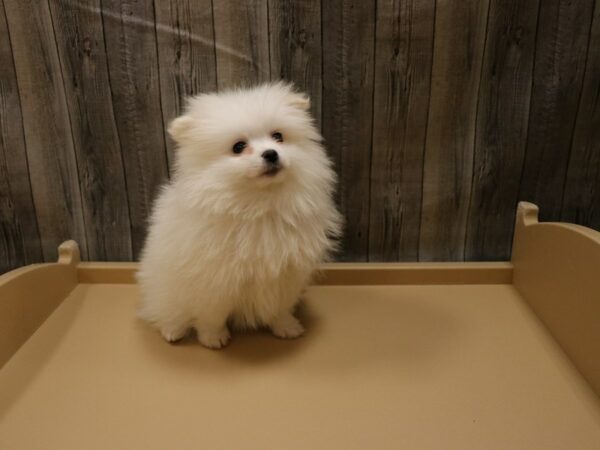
(245, 220)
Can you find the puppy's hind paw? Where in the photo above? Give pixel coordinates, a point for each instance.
(214, 339)
(287, 327)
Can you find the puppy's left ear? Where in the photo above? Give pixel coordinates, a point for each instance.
(300, 101)
(180, 128)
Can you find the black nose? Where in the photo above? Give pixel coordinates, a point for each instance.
(270, 156)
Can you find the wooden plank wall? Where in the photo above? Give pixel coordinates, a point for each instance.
(439, 114)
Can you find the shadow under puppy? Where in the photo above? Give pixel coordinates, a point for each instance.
(245, 220)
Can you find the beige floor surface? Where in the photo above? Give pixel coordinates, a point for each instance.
(403, 367)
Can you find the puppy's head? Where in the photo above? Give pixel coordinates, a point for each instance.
(251, 137)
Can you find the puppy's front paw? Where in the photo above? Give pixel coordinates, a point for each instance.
(287, 327)
(172, 335)
(214, 339)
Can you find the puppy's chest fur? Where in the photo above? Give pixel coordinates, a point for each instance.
(263, 263)
(268, 245)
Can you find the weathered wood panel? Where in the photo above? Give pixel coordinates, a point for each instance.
(440, 115)
(80, 42)
(447, 176)
(348, 40)
(46, 124)
(186, 54)
(402, 84)
(19, 236)
(130, 35)
(242, 42)
(561, 46)
(501, 128)
(581, 203)
(295, 47)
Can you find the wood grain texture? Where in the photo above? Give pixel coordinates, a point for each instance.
(501, 128)
(186, 54)
(295, 47)
(402, 84)
(458, 54)
(242, 40)
(130, 34)
(439, 115)
(581, 202)
(348, 40)
(80, 42)
(561, 46)
(47, 128)
(19, 237)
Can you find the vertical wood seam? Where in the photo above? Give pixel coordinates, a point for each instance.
(12, 53)
(269, 39)
(212, 13)
(340, 61)
(527, 139)
(160, 105)
(373, 76)
(322, 79)
(483, 53)
(526, 143)
(68, 109)
(585, 64)
(117, 135)
(432, 53)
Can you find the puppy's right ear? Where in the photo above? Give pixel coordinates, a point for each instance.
(180, 128)
(300, 101)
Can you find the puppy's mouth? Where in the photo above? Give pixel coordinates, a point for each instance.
(271, 170)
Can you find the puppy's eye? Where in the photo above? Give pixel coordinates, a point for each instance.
(277, 136)
(239, 147)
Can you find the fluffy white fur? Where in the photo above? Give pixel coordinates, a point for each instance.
(228, 243)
